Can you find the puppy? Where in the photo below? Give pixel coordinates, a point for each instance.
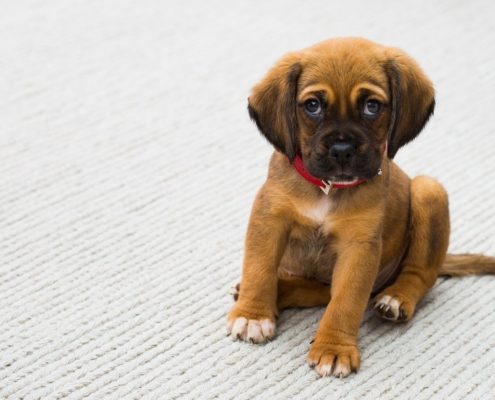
(337, 221)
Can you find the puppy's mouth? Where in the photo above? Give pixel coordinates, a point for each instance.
(339, 176)
(344, 174)
(343, 179)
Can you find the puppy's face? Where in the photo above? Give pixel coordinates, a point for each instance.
(343, 109)
(339, 102)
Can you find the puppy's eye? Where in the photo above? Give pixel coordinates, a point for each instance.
(312, 107)
(372, 108)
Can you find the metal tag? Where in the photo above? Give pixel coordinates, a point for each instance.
(326, 186)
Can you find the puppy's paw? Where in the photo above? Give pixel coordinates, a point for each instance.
(393, 307)
(251, 330)
(257, 326)
(334, 359)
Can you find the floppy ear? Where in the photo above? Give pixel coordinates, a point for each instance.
(413, 99)
(273, 105)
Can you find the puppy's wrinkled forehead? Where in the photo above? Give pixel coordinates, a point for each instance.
(342, 73)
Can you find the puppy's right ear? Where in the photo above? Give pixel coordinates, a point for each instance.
(273, 105)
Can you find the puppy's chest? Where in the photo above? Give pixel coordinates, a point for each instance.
(310, 252)
(319, 213)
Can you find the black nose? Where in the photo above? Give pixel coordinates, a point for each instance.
(342, 152)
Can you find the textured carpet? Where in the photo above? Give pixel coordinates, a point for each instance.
(128, 168)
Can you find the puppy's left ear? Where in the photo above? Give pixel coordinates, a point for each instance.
(413, 99)
(273, 105)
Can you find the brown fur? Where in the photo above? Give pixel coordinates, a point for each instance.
(467, 264)
(298, 239)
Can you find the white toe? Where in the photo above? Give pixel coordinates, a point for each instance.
(341, 370)
(239, 328)
(385, 299)
(268, 328)
(324, 369)
(254, 333)
(395, 307)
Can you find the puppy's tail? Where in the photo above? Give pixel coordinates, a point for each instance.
(467, 264)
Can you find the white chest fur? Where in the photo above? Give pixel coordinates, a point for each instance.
(317, 211)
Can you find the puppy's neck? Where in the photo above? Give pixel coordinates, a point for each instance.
(325, 186)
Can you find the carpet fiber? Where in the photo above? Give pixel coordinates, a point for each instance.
(128, 168)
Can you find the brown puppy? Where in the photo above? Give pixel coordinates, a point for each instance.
(335, 208)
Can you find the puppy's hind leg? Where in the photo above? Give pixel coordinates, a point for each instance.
(294, 291)
(429, 239)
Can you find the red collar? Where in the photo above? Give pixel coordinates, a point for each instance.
(325, 186)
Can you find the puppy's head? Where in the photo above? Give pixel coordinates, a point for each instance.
(339, 102)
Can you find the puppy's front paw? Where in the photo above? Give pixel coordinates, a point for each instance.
(334, 359)
(393, 307)
(251, 330)
(254, 327)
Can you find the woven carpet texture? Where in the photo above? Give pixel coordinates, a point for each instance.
(128, 169)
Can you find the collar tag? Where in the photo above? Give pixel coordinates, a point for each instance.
(327, 185)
